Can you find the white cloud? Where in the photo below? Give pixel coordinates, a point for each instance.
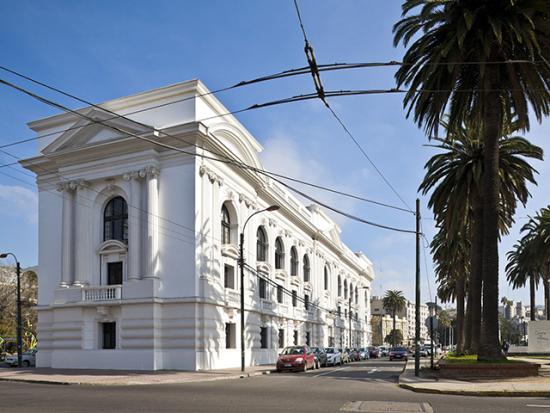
(19, 202)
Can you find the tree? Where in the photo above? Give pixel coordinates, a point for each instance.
(454, 177)
(393, 302)
(395, 337)
(530, 259)
(486, 62)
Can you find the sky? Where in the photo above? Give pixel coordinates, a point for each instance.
(102, 50)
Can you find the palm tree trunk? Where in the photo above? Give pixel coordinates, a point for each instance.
(476, 276)
(547, 298)
(460, 315)
(489, 348)
(532, 303)
(393, 332)
(468, 322)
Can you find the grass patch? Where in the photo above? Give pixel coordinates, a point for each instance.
(472, 359)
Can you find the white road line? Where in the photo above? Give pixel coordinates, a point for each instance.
(332, 371)
(544, 406)
(373, 371)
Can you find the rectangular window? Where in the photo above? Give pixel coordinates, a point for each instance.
(294, 298)
(263, 288)
(263, 337)
(295, 337)
(114, 273)
(280, 294)
(306, 302)
(109, 335)
(339, 311)
(229, 276)
(308, 338)
(230, 335)
(281, 338)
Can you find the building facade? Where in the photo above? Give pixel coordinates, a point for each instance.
(139, 224)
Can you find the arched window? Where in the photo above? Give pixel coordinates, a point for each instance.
(293, 261)
(226, 226)
(307, 269)
(279, 254)
(339, 286)
(261, 244)
(345, 288)
(351, 291)
(115, 220)
(356, 295)
(326, 278)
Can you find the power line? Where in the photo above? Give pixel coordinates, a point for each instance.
(258, 170)
(59, 106)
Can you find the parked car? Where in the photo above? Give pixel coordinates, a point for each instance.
(383, 351)
(374, 352)
(364, 352)
(320, 356)
(354, 354)
(345, 356)
(297, 358)
(424, 352)
(399, 353)
(28, 359)
(334, 357)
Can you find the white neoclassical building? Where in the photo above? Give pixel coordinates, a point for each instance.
(138, 243)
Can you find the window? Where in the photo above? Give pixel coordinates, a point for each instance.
(345, 288)
(345, 313)
(230, 335)
(350, 291)
(229, 276)
(109, 335)
(339, 286)
(115, 220)
(339, 311)
(114, 273)
(326, 278)
(261, 244)
(280, 294)
(356, 295)
(308, 338)
(263, 337)
(281, 338)
(279, 254)
(294, 298)
(293, 261)
(295, 337)
(307, 269)
(263, 288)
(306, 302)
(351, 315)
(226, 226)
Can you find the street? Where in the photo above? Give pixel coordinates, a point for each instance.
(324, 390)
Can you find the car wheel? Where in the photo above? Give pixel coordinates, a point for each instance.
(305, 366)
(26, 363)
(279, 370)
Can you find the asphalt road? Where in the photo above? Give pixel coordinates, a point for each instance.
(324, 390)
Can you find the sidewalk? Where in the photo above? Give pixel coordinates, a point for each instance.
(124, 377)
(517, 387)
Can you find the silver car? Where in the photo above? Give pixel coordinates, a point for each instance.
(28, 359)
(334, 357)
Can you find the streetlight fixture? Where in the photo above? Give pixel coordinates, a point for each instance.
(241, 265)
(19, 327)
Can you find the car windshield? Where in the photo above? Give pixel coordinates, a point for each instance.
(399, 349)
(330, 350)
(293, 350)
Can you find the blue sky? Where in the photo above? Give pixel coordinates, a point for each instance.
(102, 50)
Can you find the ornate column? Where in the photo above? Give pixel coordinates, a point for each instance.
(135, 217)
(83, 229)
(67, 239)
(152, 174)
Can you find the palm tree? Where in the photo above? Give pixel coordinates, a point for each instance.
(452, 264)
(487, 62)
(530, 258)
(454, 176)
(393, 302)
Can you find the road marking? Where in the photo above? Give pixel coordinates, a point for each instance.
(373, 371)
(544, 406)
(332, 371)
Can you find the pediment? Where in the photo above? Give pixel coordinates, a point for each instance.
(111, 247)
(88, 132)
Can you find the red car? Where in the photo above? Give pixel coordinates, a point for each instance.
(297, 358)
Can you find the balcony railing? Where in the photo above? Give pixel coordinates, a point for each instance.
(232, 297)
(267, 305)
(102, 293)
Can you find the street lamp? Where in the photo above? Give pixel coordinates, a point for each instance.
(241, 265)
(19, 327)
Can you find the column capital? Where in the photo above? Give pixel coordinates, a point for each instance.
(72, 185)
(152, 172)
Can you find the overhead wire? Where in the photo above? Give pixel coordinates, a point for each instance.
(167, 146)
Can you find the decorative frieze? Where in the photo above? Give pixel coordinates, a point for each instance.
(72, 185)
(249, 203)
(213, 177)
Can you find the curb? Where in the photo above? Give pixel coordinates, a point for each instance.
(489, 393)
(71, 383)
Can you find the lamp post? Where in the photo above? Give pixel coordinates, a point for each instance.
(19, 327)
(241, 265)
